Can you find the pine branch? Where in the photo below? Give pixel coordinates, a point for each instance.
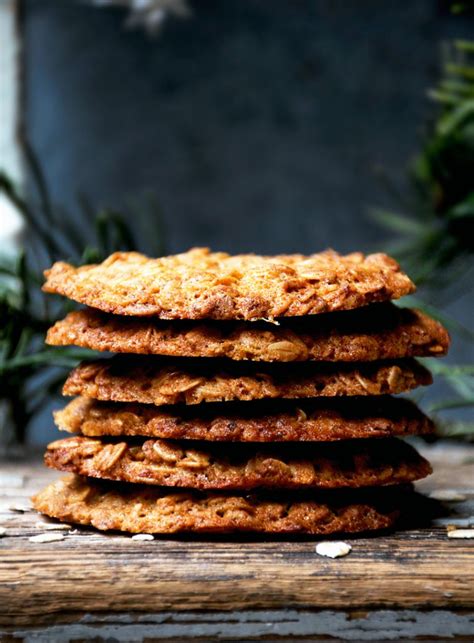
(25, 312)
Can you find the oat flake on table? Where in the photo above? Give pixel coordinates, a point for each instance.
(448, 495)
(461, 533)
(46, 538)
(333, 549)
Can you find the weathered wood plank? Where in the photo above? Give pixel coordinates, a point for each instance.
(93, 573)
(287, 625)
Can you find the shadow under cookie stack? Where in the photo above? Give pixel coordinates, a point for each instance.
(246, 393)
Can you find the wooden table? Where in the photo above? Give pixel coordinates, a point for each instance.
(413, 584)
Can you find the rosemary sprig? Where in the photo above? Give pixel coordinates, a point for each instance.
(29, 370)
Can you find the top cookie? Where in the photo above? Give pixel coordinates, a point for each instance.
(200, 284)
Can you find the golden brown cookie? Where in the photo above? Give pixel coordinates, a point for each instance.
(322, 419)
(155, 380)
(146, 509)
(241, 466)
(200, 284)
(380, 331)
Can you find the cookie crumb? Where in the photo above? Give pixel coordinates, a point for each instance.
(143, 537)
(46, 538)
(461, 533)
(334, 549)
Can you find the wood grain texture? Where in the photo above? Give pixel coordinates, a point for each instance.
(93, 573)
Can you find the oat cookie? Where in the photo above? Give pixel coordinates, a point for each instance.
(322, 419)
(236, 466)
(380, 331)
(155, 380)
(200, 284)
(146, 509)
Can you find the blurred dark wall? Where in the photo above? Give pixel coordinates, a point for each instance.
(258, 125)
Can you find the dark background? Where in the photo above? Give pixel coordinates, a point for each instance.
(258, 125)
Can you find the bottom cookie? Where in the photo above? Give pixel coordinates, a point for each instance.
(138, 508)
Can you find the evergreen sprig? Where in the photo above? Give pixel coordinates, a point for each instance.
(435, 232)
(30, 371)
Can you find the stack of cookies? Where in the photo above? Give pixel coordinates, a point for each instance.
(246, 393)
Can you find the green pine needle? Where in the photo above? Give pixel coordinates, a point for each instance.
(435, 233)
(25, 312)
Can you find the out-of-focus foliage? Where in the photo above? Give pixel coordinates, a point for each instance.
(29, 370)
(435, 230)
(462, 6)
